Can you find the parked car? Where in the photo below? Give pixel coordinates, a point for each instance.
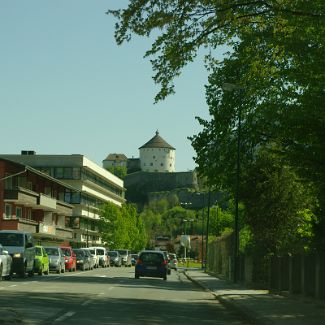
(115, 258)
(134, 258)
(69, 258)
(56, 257)
(83, 259)
(5, 264)
(41, 262)
(100, 252)
(95, 256)
(125, 256)
(167, 261)
(20, 245)
(151, 263)
(173, 262)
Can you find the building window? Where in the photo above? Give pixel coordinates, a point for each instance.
(29, 214)
(19, 212)
(8, 182)
(153, 157)
(7, 211)
(161, 164)
(151, 164)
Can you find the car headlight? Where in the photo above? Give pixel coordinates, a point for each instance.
(18, 255)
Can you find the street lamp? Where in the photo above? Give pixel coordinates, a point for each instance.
(230, 88)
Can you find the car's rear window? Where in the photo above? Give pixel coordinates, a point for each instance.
(112, 254)
(52, 251)
(100, 252)
(66, 251)
(151, 257)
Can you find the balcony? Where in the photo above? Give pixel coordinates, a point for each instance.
(21, 196)
(63, 208)
(46, 229)
(46, 203)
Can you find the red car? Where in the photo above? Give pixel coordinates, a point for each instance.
(70, 258)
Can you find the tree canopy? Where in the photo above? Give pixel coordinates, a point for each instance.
(276, 59)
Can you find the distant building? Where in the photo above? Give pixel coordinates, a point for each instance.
(157, 155)
(153, 171)
(35, 202)
(94, 186)
(115, 160)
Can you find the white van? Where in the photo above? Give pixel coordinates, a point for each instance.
(20, 245)
(101, 254)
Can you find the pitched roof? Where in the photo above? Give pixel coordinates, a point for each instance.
(157, 142)
(116, 157)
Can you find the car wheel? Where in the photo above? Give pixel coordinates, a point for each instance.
(40, 271)
(137, 276)
(1, 267)
(47, 271)
(165, 277)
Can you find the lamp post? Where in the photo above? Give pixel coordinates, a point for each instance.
(207, 233)
(230, 88)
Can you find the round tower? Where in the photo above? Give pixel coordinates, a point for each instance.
(157, 155)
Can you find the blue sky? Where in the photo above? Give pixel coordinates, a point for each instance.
(67, 88)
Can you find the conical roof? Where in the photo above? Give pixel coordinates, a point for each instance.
(157, 142)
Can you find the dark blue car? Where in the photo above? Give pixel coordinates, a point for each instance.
(151, 264)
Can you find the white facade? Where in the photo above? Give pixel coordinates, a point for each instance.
(157, 160)
(157, 156)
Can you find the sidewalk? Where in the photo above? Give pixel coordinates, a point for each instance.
(259, 306)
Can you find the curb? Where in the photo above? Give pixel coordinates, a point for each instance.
(244, 313)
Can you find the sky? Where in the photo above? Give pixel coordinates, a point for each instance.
(67, 88)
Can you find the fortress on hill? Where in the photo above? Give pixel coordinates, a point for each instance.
(153, 172)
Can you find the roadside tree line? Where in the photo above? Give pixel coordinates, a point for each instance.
(275, 63)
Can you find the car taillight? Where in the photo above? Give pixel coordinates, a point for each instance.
(164, 262)
(139, 262)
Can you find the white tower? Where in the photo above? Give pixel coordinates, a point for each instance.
(157, 155)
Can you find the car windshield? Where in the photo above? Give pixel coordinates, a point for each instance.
(100, 252)
(79, 253)
(123, 251)
(52, 251)
(113, 254)
(38, 251)
(9, 239)
(92, 251)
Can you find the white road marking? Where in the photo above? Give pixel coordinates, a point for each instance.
(66, 315)
(13, 285)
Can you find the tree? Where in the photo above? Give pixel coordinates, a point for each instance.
(276, 54)
(122, 227)
(276, 205)
(119, 171)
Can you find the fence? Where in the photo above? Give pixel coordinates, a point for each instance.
(295, 274)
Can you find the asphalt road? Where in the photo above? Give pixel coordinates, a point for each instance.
(111, 296)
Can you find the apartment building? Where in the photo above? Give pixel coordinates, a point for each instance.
(93, 187)
(34, 202)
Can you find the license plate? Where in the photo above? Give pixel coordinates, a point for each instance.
(151, 267)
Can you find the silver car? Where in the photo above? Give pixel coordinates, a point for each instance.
(125, 256)
(56, 259)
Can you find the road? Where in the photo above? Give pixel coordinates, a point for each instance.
(111, 296)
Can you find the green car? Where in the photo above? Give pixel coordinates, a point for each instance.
(41, 263)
